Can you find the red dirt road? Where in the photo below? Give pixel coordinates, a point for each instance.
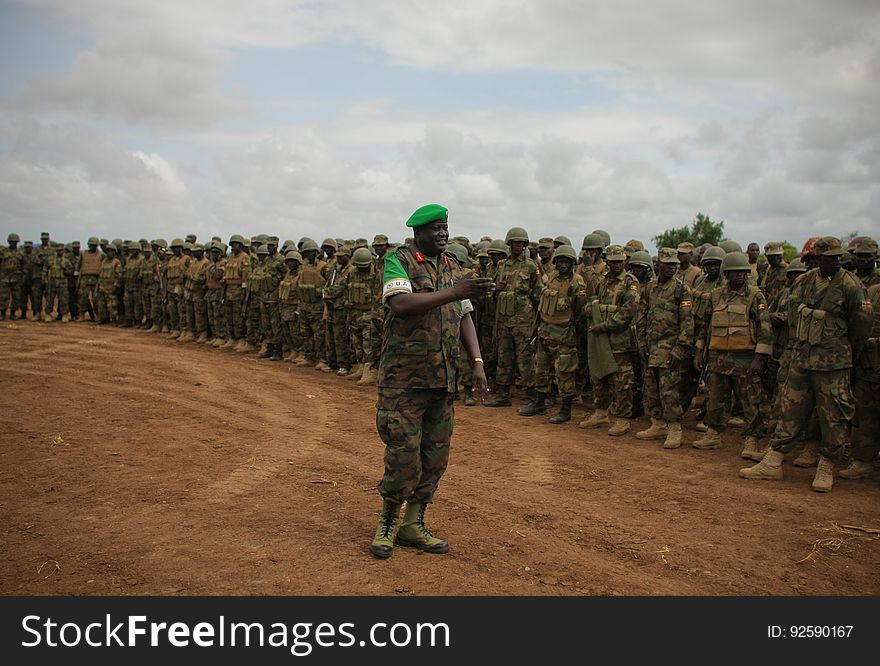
(135, 465)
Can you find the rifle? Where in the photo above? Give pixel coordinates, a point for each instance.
(244, 308)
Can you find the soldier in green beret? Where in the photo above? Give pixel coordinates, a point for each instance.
(427, 313)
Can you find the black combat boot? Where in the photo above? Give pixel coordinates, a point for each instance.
(564, 413)
(535, 405)
(502, 398)
(276, 352)
(270, 350)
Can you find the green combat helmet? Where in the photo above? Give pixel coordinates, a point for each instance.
(593, 242)
(500, 246)
(517, 234)
(294, 255)
(362, 257)
(177, 242)
(236, 238)
(796, 266)
(735, 261)
(730, 246)
(714, 253)
(565, 251)
(641, 258)
(562, 240)
(93, 240)
(13, 238)
(309, 244)
(458, 251)
(606, 237)
(263, 249)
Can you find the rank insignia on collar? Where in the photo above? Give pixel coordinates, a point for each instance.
(420, 257)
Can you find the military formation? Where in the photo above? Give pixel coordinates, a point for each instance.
(787, 352)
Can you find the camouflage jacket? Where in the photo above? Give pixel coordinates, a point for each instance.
(197, 276)
(11, 264)
(360, 285)
(33, 265)
(834, 320)
(236, 271)
(312, 278)
(665, 325)
(110, 277)
(521, 289)
(773, 280)
(868, 362)
(131, 272)
(336, 289)
(560, 307)
(736, 328)
(618, 298)
(592, 275)
(871, 279)
(420, 351)
(689, 275)
(59, 269)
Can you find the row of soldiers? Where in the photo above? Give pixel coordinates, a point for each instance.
(635, 331)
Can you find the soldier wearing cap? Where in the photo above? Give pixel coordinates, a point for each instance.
(178, 265)
(665, 334)
(109, 280)
(834, 322)
(773, 278)
(89, 268)
(427, 314)
(11, 276)
(735, 342)
(132, 287)
(687, 272)
(617, 298)
(517, 290)
(545, 256)
(864, 252)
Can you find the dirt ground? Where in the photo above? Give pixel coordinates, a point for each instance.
(135, 465)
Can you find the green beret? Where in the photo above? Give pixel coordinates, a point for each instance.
(427, 214)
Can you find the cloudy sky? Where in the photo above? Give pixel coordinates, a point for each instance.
(161, 118)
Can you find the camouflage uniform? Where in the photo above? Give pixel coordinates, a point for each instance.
(109, 279)
(177, 268)
(866, 391)
(32, 282)
(334, 294)
(556, 358)
(89, 268)
(515, 318)
(149, 275)
(288, 303)
(359, 303)
(773, 279)
(253, 321)
(216, 309)
(270, 316)
(59, 269)
(235, 277)
(665, 333)
(11, 275)
(618, 298)
(312, 279)
(131, 279)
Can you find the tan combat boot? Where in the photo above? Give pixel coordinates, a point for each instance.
(736, 422)
(264, 347)
(303, 362)
(321, 366)
(356, 372)
(218, 343)
(383, 542)
(414, 534)
(65, 318)
(750, 449)
(368, 378)
(770, 468)
(202, 339)
(154, 329)
(231, 343)
(823, 482)
(658, 430)
(673, 439)
(857, 469)
(711, 440)
(701, 427)
(186, 336)
(809, 456)
(619, 427)
(173, 335)
(246, 347)
(599, 418)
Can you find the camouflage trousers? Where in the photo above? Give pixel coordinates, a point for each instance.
(311, 329)
(10, 296)
(157, 311)
(557, 362)
(134, 311)
(290, 326)
(375, 338)
(487, 346)
(866, 427)
(197, 313)
(58, 295)
(514, 353)
(337, 340)
(416, 427)
(173, 310)
(232, 311)
(107, 311)
(360, 332)
(270, 321)
(32, 297)
(253, 331)
(662, 394)
(149, 295)
(829, 392)
(216, 313)
(811, 431)
(724, 390)
(615, 392)
(88, 294)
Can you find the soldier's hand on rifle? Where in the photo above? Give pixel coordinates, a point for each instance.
(473, 287)
(756, 367)
(598, 329)
(700, 361)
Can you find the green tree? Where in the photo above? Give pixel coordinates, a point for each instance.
(702, 230)
(789, 251)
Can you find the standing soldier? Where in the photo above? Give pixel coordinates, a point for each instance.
(864, 251)
(592, 266)
(665, 333)
(11, 275)
(197, 302)
(834, 322)
(773, 278)
(235, 277)
(32, 283)
(149, 284)
(556, 358)
(702, 292)
(736, 340)
(368, 373)
(288, 304)
(359, 302)
(334, 295)
(89, 268)
(517, 289)
(687, 272)
(73, 281)
(58, 271)
(131, 279)
(270, 316)
(109, 279)
(214, 285)
(313, 277)
(545, 255)
(177, 267)
(618, 304)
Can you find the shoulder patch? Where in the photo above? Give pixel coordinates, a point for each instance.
(633, 287)
(687, 304)
(761, 307)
